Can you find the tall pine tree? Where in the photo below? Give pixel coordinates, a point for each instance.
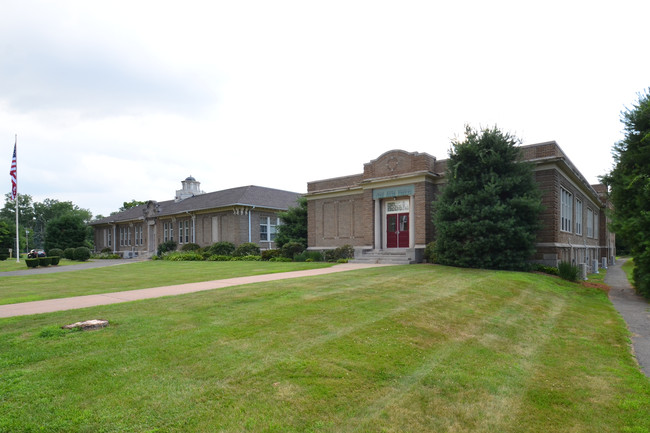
(630, 189)
(488, 214)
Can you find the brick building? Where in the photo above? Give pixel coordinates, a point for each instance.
(385, 212)
(237, 215)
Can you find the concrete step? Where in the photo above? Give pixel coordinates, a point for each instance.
(383, 257)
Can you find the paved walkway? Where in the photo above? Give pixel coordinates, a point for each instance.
(48, 306)
(634, 309)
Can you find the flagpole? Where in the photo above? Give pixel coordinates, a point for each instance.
(17, 230)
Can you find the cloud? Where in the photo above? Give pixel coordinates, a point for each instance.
(91, 68)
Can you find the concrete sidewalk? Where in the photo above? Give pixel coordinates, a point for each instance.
(635, 311)
(75, 302)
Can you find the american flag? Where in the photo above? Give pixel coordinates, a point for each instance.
(14, 175)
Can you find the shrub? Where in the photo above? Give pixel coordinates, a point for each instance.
(219, 258)
(545, 269)
(280, 259)
(290, 249)
(344, 252)
(191, 247)
(270, 254)
(430, 253)
(3, 256)
(106, 250)
(166, 247)
(247, 249)
(81, 254)
(568, 271)
(106, 256)
(55, 252)
(221, 248)
(31, 263)
(308, 256)
(183, 256)
(342, 261)
(44, 261)
(55, 260)
(248, 258)
(68, 253)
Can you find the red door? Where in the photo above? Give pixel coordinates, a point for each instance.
(397, 230)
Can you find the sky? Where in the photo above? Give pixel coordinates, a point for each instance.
(121, 100)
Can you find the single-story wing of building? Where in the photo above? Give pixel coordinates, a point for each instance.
(237, 215)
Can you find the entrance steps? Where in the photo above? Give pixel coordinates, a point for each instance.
(393, 256)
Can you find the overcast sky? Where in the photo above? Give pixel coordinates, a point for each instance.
(120, 100)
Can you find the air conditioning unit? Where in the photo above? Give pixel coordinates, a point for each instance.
(127, 254)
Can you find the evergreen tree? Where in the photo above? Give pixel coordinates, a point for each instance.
(630, 189)
(488, 213)
(294, 225)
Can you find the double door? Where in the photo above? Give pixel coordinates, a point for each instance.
(397, 230)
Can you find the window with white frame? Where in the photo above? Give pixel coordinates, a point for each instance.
(180, 232)
(590, 223)
(128, 236)
(566, 210)
(578, 217)
(187, 232)
(138, 235)
(121, 236)
(596, 228)
(168, 232)
(109, 236)
(268, 228)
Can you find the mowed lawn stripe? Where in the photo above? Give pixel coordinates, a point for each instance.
(408, 348)
(133, 276)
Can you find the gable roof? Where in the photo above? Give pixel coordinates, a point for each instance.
(249, 196)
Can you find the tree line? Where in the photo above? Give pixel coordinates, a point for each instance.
(44, 225)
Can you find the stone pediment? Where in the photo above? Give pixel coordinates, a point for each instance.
(398, 162)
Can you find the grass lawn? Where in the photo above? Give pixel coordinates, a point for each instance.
(628, 268)
(137, 275)
(419, 348)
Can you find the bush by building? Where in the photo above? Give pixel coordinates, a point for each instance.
(81, 254)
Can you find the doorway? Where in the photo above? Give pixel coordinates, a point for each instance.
(397, 230)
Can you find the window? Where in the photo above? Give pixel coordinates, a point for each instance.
(578, 217)
(138, 235)
(268, 228)
(596, 227)
(121, 236)
(109, 237)
(168, 232)
(590, 223)
(180, 232)
(128, 235)
(566, 210)
(187, 232)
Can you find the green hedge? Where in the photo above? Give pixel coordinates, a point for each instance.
(44, 261)
(55, 260)
(31, 263)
